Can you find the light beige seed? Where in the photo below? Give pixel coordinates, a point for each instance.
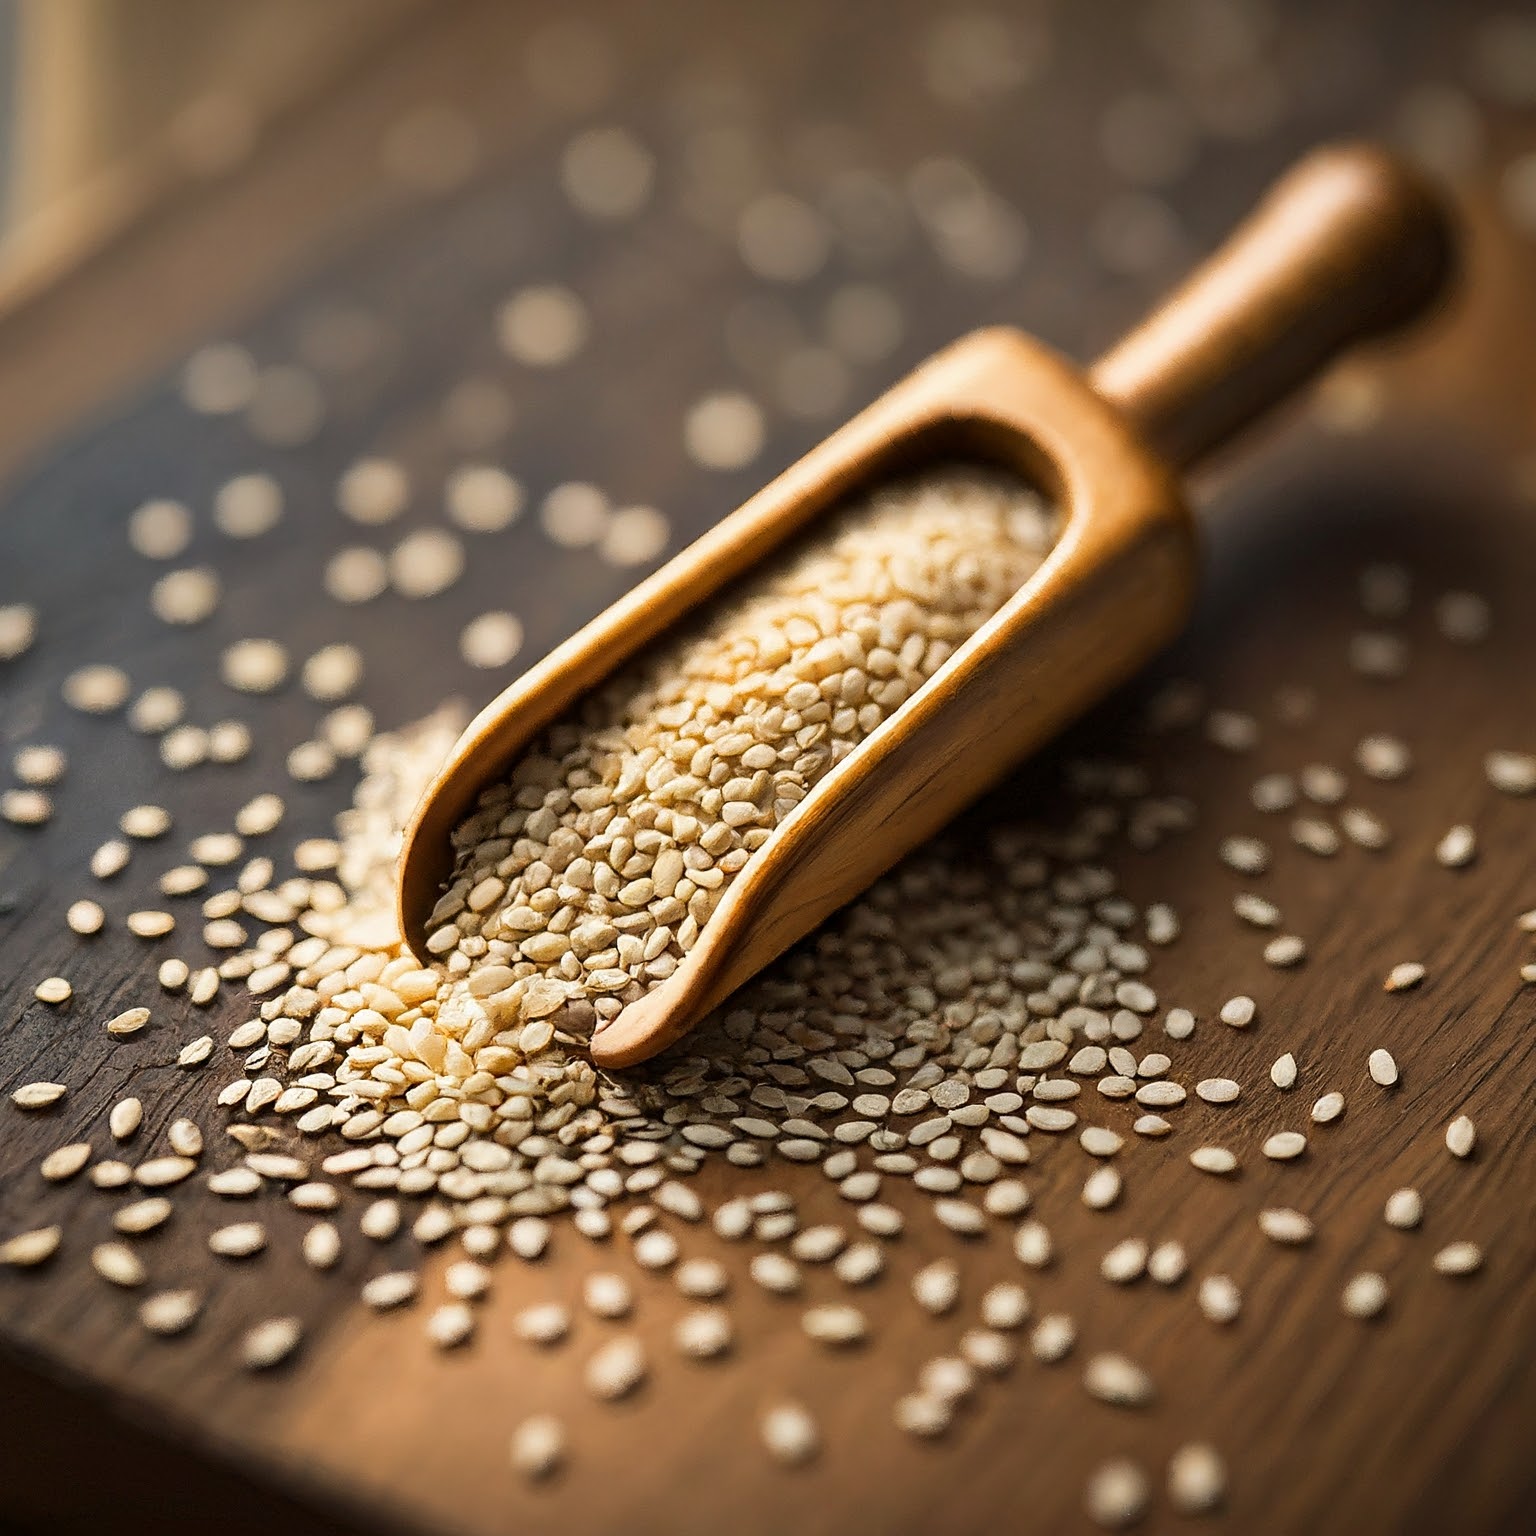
(96, 690)
(26, 807)
(492, 640)
(1328, 1108)
(1052, 1338)
(39, 765)
(1115, 1379)
(18, 629)
(1283, 1146)
(254, 666)
(1118, 1494)
(1461, 1258)
(1283, 1072)
(1511, 773)
(1457, 848)
(85, 918)
(1125, 1262)
(607, 1295)
(1404, 1209)
(1401, 977)
(790, 1434)
(1101, 1189)
(126, 1116)
(1218, 1090)
(321, 1245)
(27, 1249)
(1005, 1305)
(168, 1313)
(616, 1369)
(53, 989)
(186, 597)
(1219, 1298)
(1167, 1263)
(394, 1289)
(834, 1323)
(924, 1415)
(1285, 950)
(240, 1240)
(1461, 1136)
(1238, 1012)
(1197, 1479)
(1213, 1160)
(1282, 1225)
(426, 563)
(538, 1446)
(65, 1162)
(704, 1333)
(39, 1095)
(936, 1287)
(150, 924)
(1364, 1295)
(1382, 1067)
(110, 859)
(129, 1022)
(142, 1215)
(270, 1343)
(450, 1325)
(118, 1263)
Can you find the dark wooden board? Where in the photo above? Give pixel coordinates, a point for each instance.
(1419, 1423)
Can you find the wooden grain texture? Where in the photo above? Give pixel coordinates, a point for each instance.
(1417, 1424)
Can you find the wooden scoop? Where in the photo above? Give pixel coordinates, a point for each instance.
(1347, 245)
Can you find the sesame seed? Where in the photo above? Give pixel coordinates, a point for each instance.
(38, 1095)
(1218, 1090)
(1364, 1295)
(26, 1250)
(538, 1446)
(1461, 1136)
(1401, 977)
(1382, 1067)
(168, 1313)
(1283, 1073)
(1461, 1258)
(1327, 1108)
(1114, 1379)
(1238, 1012)
(1283, 1146)
(1511, 773)
(1404, 1209)
(790, 1434)
(1167, 1263)
(270, 1343)
(1282, 1225)
(1213, 1160)
(1118, 1494)
(1219, 1298)
(617, 1369)
(1052, 1338)
(119, 1264)
(1197, 1479)
(53, 989)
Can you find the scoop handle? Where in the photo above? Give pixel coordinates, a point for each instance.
(1350, 243)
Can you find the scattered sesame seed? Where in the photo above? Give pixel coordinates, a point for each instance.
(1401, 977)
(1461, 1258)
(1461, 1136)
(1118, 1494)
(1283, 1146)
(1197, 1479)
(26, 1250)
(1282, 1225)
(270, 1343)
(1213, 1160)
(1364, 1295)
(1238, 1012)
(1219, 1298)
(617, 1369)
(38, 1095)
(1327, 1108)
(168, 1313)
(1382, 1067)
(538, 1446)
(53, 989)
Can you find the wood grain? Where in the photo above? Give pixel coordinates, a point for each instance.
(1417, 1424)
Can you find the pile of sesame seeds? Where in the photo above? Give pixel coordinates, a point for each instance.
(992, 996)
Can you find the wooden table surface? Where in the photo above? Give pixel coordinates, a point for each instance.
(1418, 1422)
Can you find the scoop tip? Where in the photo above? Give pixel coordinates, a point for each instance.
(643, 1028)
